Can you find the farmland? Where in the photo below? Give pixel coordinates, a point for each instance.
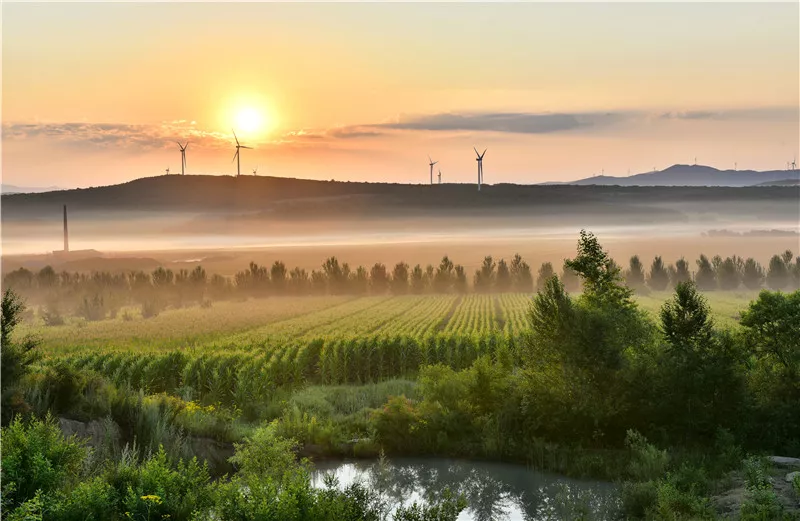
(256, 322)
(559, 381)
(239, 352)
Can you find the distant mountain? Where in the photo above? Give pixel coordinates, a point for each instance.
(13, 189)
(694, 175)
(782, 182)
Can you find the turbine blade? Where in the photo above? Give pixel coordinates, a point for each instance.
(234, 155)
(484, 152)
(251, 148)
(234, 137)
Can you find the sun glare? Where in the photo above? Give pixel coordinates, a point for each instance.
(249, 120)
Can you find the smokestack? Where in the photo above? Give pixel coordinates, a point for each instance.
(66, 232)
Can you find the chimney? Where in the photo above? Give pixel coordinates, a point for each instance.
(66, 232)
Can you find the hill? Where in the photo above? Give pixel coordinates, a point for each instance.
(694, 175)
(285, 198)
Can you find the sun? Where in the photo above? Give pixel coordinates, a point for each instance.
(249, 120)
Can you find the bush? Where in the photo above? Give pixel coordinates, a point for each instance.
(647, 461)
(37, 458)
(395, 424)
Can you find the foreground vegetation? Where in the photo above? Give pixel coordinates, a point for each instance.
(587, 385)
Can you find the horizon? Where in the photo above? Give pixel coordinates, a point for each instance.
(54, 188)
(107, 89)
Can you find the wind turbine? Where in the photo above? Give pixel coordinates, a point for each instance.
(167, 170)
(183, 156)
(479, 159)
(236, 155)
(255, 170)
(440, 177)
(794, 163)
(431, 165)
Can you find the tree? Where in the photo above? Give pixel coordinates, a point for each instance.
(698, 386)
(15, 357)
(484, 277)
(546, 273)
(680, 273)
(503, 278)
(417, 280)
(277, 274)
(777, 273)
(378, 279)
(460, 285)
(162, 277)
(400, 278)
(298, 281)
(787, 257)
(600, 275)
(686, 321)
(428, 277)
(46, 278)
(521, 277)
(772, 325)
(729, 273)
(359, 280)
(659, 277)
(634, 277)
(19, 279)
(752, 274)
(336, 275)
(443, 280)
(705, 278)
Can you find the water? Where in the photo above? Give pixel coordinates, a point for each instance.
(494, 491)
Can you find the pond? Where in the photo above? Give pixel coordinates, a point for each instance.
(494, 491)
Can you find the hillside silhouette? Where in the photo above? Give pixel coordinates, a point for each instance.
(299, 198)
(693, 175)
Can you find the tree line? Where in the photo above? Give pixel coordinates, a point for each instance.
(100, 294)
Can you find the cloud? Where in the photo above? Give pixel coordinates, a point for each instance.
(511, 122)
(116, 135)
(747, 114)
(165, 134)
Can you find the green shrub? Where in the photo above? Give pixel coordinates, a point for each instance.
(647, 462)
(762, 505)
(37, 458)
(638, 498)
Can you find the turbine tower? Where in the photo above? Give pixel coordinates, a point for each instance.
(236, 155)
(432, 162)
(183, 156)
(479, 159)
(440, 177)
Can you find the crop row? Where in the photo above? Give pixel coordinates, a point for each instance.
(236, 376)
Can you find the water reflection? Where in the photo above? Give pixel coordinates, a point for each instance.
(494, 491)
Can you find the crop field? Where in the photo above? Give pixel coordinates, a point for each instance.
(235, 352)
(256, 323)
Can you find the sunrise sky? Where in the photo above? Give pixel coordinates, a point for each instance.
(98, 93)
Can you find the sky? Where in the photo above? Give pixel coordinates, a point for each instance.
(99, 93)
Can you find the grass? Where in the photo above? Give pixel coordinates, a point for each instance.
(242, 323)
